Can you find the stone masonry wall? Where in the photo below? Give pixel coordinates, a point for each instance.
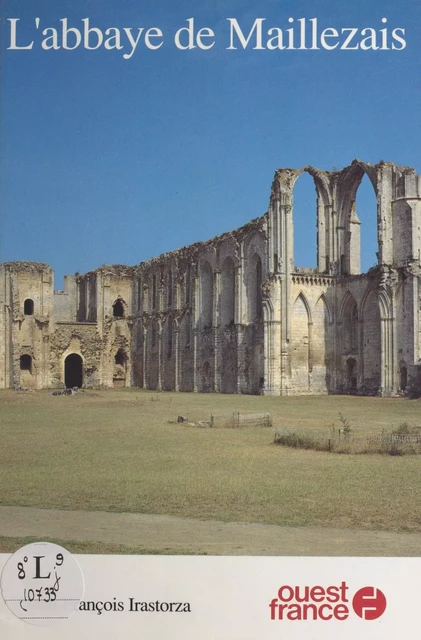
(235, 314)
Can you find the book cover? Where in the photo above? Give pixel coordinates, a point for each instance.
(210, 259)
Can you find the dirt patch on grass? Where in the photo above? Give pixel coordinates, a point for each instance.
(103, 532)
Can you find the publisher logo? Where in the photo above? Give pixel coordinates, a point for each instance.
(321, 602)
(369, 603)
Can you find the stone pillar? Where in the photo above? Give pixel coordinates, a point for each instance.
(240, 317)
(321, 237)
(287, 265)
(394, 378)
(387, 356)
(45, 379)
(99, 304)
(281, 247)
(416, 327)
(160, 363)
(267, 385)
(195, 376)
(145, 355)
(4, 312)
(334, 329)
(385, 195)
(195, 317)
(310, 355)
(383, 357)
(354, 249)
(331, 248)
(215, 330)
(176, 335)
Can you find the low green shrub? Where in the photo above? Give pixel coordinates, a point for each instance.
(405, 440)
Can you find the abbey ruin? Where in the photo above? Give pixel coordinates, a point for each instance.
(235, 314)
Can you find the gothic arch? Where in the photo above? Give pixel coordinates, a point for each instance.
(228, 247)
(346, 300)
(255, 243)
(348, 223)
(349, 181)
(284, 181)
(385, 304)
(327, 306)
(300, 344)
(306, 304)
(320, 180)
(283, 190)
(320, 345)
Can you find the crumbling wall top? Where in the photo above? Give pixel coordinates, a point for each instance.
(190, 253)
(29, 267)
(116, 270)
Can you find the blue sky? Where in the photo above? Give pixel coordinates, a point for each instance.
(106, 160)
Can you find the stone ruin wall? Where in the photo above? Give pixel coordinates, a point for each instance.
(189, 320)
(199, 325)
(235, 314)
(22, 334)
(342, 331)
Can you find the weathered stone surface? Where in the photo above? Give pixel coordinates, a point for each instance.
(235, 314)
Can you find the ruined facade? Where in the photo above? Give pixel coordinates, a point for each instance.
(235, 314)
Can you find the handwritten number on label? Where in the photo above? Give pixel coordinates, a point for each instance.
(21, 571)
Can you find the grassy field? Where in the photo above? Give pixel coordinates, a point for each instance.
(116, 451)
(10, 545)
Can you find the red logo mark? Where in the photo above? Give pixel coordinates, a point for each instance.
(369, 603)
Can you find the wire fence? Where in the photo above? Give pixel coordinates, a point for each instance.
(342, 442)
(238, 420)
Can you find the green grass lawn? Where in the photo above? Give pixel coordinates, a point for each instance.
(116, 451)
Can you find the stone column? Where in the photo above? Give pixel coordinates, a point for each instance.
(239, 317)
(321, 236)
(176, 335)
(160, 363)
(215, 330)
(287, 265)
(195, 376)
(145, 355)
(45, 382)
(394, 378)
(310, 355)
(195, 318)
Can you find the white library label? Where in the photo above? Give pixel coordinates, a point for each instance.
(42, 583)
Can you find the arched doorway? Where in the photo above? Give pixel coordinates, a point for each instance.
(120, 369)
(73, 371)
